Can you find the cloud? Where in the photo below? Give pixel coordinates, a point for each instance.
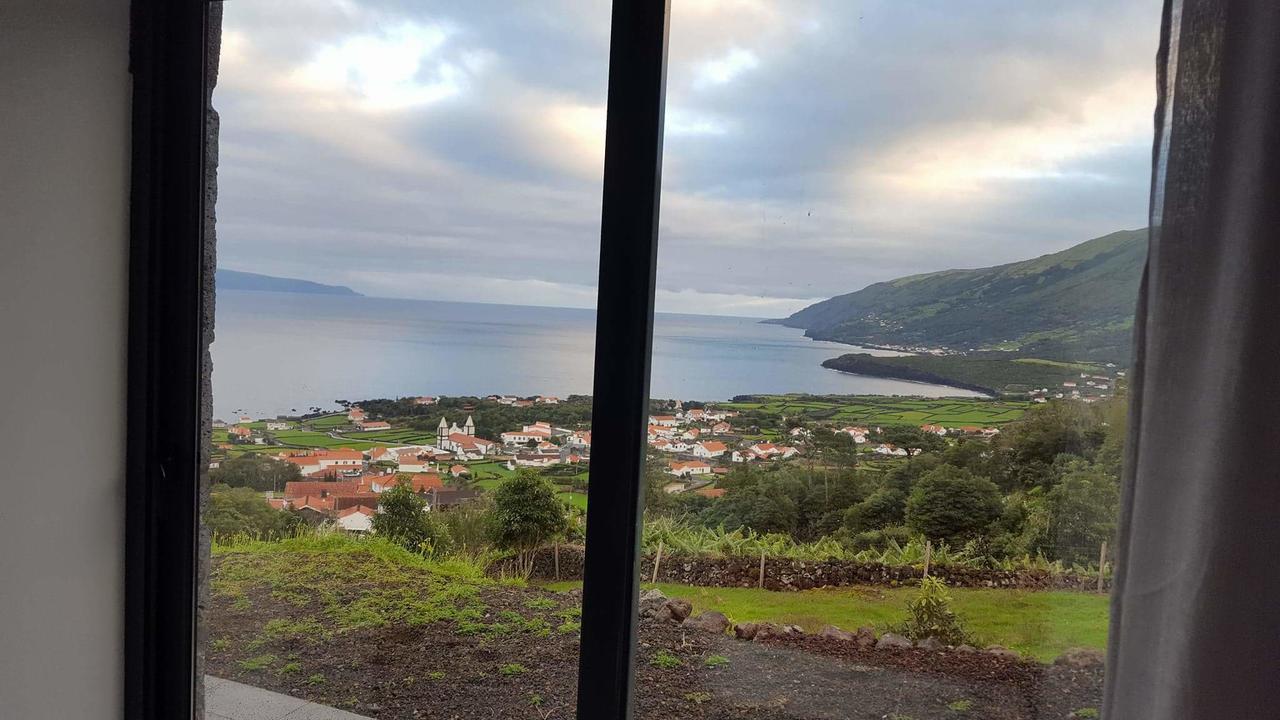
(812, 147)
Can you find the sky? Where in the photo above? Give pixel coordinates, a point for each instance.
(454, 150)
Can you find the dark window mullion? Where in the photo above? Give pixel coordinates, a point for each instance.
(624, 331)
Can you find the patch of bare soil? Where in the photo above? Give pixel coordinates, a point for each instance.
(521, 664)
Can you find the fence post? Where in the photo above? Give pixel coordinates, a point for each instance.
(657, 560)
(1102, 565)
(557, 561)
(762, 569)
(928, 556)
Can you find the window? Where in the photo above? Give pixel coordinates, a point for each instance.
(682, 668)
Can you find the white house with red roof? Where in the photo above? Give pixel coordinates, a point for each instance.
(357, 519)
(695, 415)
(721, 428)
(664, 420)
(891, 450)
(934, 429)
(857, 432)
(688, 468)
(708, 449)
(371, 425)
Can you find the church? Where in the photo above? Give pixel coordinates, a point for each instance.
(462, 441)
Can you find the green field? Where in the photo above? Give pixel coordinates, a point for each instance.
(873, 410)
(1039, 624)
(395, 437)
(578, 500)
(328, 422)
(488, 475)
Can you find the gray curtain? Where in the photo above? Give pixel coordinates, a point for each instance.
(1195, 630)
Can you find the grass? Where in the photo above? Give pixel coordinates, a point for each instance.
(1039, 624)
(347, 583)
(578, 500)
(665, 659)
(874, 410)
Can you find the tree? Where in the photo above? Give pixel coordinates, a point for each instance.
(526, 514)
(913, 440)
(256, 472)
(952, 504)
(242, 511)
(1082, 510)
(404, 519)
(884, 507)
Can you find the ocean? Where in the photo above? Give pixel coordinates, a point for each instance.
(285, 353)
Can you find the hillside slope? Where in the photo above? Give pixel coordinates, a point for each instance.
(1073, 304)
(238, 280)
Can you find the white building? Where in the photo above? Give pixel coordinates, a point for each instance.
(357, 519)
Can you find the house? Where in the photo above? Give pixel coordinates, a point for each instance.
(709, 449)
(934, 429)
(245, 419)
(857, 432)
(410, 464)
(535, 460)
(241, 432)
(673, 488)
(459, 470)
(660, 431)
(990, 432)
(799, 432)
(721, 428)
(671, 446)
(765, 451)
(219, 424)
(355, 415)
(277, 425)
(664, 420)
(371, 425)
(695, 415)
(690, 434)
(424, 400)
(688, 468)
(547, 400)
(891, 450)
(713, 493)
(536, 431)
(358, 519)
(580, 439)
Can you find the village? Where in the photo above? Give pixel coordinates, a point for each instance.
(341, 486)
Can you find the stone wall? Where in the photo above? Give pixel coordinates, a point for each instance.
(789, 575)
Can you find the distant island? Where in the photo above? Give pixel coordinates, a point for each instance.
(238, 280)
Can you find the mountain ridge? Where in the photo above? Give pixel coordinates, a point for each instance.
(239, 280)
(1075, 304)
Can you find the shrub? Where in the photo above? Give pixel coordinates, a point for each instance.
(929, 615)
(404, 520)
(526, 514)
(952, 505)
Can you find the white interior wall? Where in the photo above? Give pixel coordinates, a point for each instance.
(64, 181)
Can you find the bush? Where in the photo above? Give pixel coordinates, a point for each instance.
(929, 615)
(242, 511)
(526, 514)
(952, 505)
(404, 519)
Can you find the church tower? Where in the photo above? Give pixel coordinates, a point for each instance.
(469, 427)
(442, 432)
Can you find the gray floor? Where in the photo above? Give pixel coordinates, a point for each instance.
(228, 700)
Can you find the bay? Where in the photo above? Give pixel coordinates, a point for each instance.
(281, 353)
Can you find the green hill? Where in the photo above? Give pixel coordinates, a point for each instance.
(1076, 304)
(237, 280)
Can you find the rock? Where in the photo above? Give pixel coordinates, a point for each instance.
(653, 595)
(892, 640)
(708, 621)
(966, 649)
(1081, 658)
(674, 610)
(930, 643)
(745, 631)
(792, 630)
(865, 637)
(764, 631)
(1002, 651)
(831, 632)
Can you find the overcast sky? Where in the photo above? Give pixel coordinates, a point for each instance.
(454, 150)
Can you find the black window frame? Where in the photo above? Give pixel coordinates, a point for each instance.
(168, 281)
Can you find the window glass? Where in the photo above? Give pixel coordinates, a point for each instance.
(408, 224)
(900, 250)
